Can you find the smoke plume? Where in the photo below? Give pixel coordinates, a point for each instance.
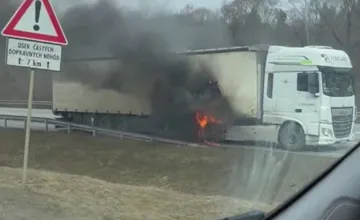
(142, 48)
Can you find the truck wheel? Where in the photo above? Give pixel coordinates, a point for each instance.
(292, 137)
(214, 132)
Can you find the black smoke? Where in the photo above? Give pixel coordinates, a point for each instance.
(136, 54)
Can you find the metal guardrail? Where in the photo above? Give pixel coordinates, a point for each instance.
(92, 129)
(24, 103)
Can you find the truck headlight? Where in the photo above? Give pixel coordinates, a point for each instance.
(327, 132)
(355, 113)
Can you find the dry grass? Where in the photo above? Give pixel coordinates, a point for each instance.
(122, 179)
(81, 197)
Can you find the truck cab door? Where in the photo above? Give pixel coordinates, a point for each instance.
(308, 101)
(296, 96)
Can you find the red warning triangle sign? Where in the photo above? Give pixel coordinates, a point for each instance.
(36, 20)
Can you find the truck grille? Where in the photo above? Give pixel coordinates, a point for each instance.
(342, 121)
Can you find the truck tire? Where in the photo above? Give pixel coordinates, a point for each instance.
(292, 137)
(214, 132)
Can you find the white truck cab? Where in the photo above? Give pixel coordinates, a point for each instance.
(309, 92)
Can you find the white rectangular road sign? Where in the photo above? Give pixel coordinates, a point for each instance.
(36, 55)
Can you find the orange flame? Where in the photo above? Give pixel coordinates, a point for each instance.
(203, 120)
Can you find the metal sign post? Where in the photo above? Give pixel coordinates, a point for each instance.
(28, 126)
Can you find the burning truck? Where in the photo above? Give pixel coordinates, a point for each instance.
(250, 93)
(179, 101)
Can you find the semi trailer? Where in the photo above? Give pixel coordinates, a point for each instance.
(292, 96)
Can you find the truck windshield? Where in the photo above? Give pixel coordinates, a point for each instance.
(337, 84)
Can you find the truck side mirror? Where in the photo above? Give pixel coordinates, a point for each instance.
(313, 84)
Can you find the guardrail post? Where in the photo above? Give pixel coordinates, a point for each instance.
(5, 122)
(46, 125)
(25, 124)
(93, 127)
(69, 128)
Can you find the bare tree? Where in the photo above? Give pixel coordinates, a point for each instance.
(301, 8)
(342, 26)
(246, 19)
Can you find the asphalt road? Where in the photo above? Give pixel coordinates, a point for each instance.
(333, 151)
(45, 113)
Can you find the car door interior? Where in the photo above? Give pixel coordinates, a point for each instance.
(333, 195)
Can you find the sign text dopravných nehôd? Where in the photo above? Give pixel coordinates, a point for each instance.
(34, 50)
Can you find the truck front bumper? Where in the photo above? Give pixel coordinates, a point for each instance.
(327, 137)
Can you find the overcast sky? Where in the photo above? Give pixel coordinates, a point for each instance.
(198, 3)
(179, 4)
(61, 5)
(174, 4)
